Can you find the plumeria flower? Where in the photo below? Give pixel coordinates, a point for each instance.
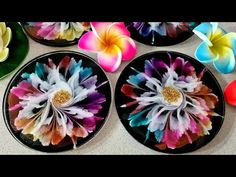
(111, 42)
(56, 102)
(171, 101)
(218, 47)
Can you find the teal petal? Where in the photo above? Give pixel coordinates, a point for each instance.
(136, 79)
(204, 32)
(39, 70)
(147, 136)
(158, 135)
(226, 62)
(204, 54)
(138, 119)
(85, 73)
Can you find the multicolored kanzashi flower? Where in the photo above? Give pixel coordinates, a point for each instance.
(218, 47)
(5, 38)
(171, 101)
(56, 102)
(60, 30)
(111, 42)
(162, 28)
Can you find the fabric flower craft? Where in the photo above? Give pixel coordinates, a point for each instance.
(170, 101)
(60, 30)
(161, 33)
(218, 47)
(162, 28)
(111, 42)
(57, 102)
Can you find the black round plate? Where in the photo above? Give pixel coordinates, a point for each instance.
(139, 132)
(66, 143)
(155, 39)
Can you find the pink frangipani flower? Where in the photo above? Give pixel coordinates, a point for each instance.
(111, 42)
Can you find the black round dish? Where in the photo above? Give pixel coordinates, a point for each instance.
(139, 132)
(66, 143)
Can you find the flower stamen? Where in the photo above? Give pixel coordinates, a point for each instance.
(170, 94)
(61, 97)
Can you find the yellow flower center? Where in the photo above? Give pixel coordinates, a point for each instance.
(61, 97)
(170, 94)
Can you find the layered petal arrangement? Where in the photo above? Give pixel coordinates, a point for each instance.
(60, 30)
(5, 38)
(57, 101)
(169, 99)
(111, 42)
(218, 47)
(162, 28)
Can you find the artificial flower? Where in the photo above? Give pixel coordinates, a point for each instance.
(60, 30)
(171, 101)
(111, 42)
(5, 38)
(218, 47)
(162, 28)
(56, 102)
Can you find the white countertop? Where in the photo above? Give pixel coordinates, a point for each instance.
(113, 137)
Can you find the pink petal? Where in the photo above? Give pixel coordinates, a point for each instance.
(22, 89)
(117, 29)
(90, 42)
(100, 28)
(15, 107)
(127, 46)
(110, 58)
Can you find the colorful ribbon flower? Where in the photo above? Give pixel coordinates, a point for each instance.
(218, 47)
(60, 30)
(171, 100)
(51, 105)
(111, 41)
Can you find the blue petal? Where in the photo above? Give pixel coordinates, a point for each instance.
(25, 75)
(74, 66)
(204, 54)
(147, 135)
(85, 73)
(204, 28)
(136, 79)
(145, 30)
(138, 119)
(226, 62)
(39, 70)
(158, 135)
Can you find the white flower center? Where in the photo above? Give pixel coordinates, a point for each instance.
(61, 97)
(172, 96)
